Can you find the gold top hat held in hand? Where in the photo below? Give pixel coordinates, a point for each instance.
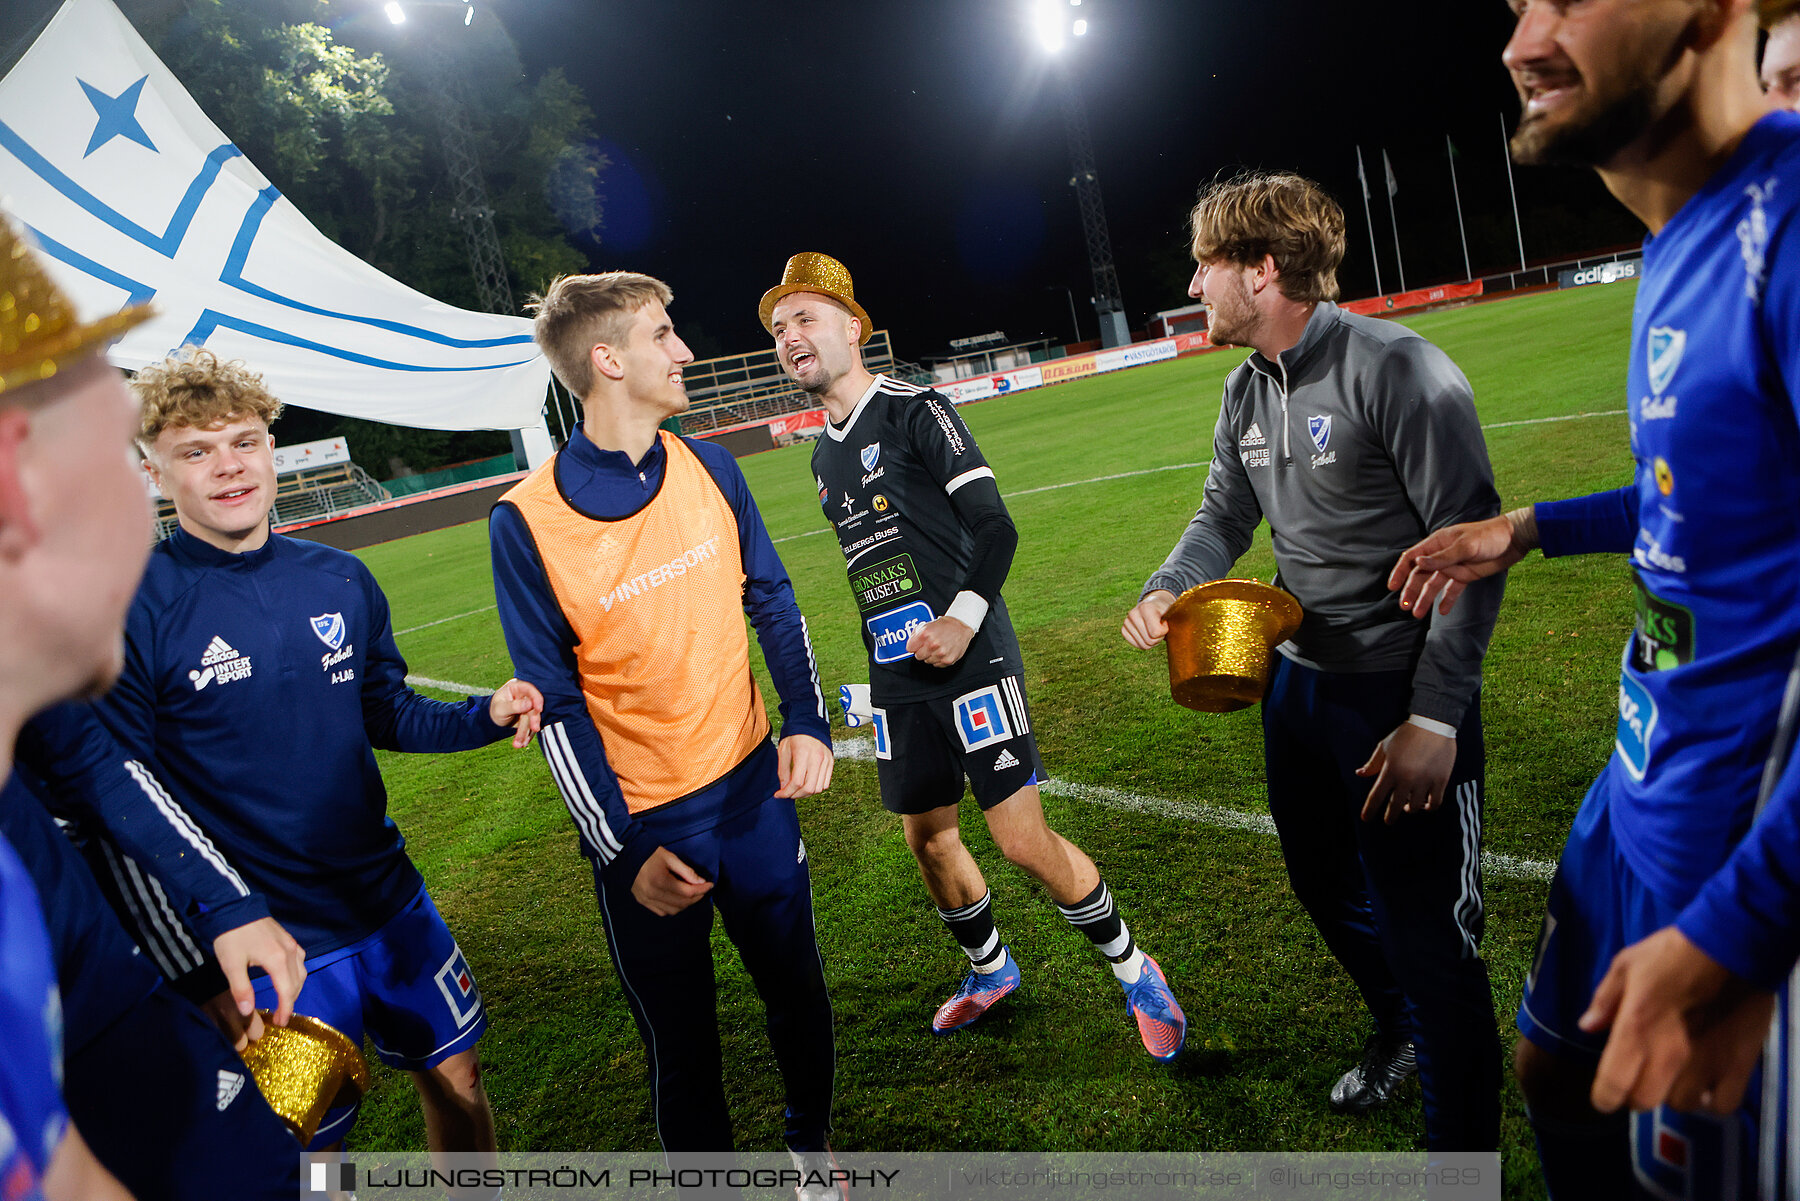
(39, 331)
(303, 1069)
(810, 271)
(1221, 637)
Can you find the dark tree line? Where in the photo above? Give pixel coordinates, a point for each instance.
(352, 135)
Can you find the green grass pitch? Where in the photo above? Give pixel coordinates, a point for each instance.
(1100, 476)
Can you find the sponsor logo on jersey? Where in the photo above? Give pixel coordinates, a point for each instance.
(230, 1085)
(891, 631)
(1666, 345)
(219, 664)
(881, 584)
(1665, 476)
(1257, 458)
(1663, 635)
(457, 984)
(705, 553)
(881, 503)
(869, 455)
(879, 727)
(851, 551)
(947, 425)
(330, 629)
(1320, 429)
(1253, 436)
(824, 492)
(1753, 239)
(1637, 722)
(1004, 760)
(1655, 556)
(981, 718)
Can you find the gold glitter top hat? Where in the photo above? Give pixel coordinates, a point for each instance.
(1221, 639)
(39, 332)
(305, 1068)
(810, 271)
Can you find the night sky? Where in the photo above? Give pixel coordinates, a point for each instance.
(922, 142)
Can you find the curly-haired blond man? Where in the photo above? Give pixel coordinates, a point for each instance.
(261, 673)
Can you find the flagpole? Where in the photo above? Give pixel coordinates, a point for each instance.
(1506, 153)
(1468, 271)
(1373, 256)
(1393, 187)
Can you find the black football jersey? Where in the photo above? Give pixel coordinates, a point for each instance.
(885, 479)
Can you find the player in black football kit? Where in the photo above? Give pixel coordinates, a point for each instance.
(927, 542)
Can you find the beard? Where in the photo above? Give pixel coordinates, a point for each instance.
(819, 382)
(1596, 137)
(1230, 321)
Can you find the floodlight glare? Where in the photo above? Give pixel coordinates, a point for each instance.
(1080, 28)
(469, 15)
(1050, 24)
(395, 13)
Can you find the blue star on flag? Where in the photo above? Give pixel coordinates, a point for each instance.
(117, 116)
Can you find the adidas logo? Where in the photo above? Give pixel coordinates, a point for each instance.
(219, 663)
(1005, 760)
(230, 1085)
(1253, 436)
(217, 651)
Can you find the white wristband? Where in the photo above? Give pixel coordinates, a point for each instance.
(969, 609)
(1441, 728)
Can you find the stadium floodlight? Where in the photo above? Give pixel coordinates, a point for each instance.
(1051, 25)
(1080, 28)
(395, 13)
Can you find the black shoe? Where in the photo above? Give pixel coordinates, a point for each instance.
(1374, 1081)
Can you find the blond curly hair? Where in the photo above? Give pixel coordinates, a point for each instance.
(193, 388)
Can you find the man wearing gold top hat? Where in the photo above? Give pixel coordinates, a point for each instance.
(927, 542)
(73, 533)
(1351, 435)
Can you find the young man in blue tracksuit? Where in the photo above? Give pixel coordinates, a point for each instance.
(624, 569)
(1674, 911)
(260, 675)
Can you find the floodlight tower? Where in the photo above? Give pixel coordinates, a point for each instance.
(1056, 21)
(471, 211)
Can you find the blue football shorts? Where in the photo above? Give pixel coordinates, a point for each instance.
(407, 987)
(1598, 906)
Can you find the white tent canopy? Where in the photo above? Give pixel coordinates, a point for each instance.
(134, 194)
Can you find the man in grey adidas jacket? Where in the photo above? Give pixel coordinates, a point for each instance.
(1355, 437)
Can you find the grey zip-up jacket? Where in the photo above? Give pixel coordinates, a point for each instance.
(1355, 443)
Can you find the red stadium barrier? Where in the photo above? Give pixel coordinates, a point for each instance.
(1417, 298)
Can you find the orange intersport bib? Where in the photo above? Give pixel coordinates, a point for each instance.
(656, 603)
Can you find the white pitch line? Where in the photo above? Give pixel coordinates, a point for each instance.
(1125, 475)
(1209, 815)
(1098, 479)
(1502, 425)
(447, 686)
(440, 621)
